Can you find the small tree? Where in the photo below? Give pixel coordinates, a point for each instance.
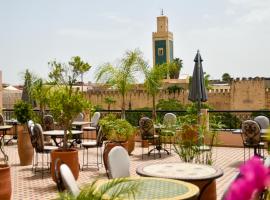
(122, 77)
(40, 93)
(66, 102)
(174, 68)
(153, 82)
(109, 101)
(226, 77)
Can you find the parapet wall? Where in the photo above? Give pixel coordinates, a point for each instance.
(1, 92)
(248, 93)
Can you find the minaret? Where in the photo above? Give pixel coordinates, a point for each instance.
(162, 42)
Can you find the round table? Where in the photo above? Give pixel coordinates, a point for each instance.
(157, 188)
(201, 175)
(60, 134)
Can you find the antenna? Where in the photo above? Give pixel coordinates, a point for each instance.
(162, 11)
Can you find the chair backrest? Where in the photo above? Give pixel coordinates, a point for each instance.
(262, 121)
(69, 180)
(95, 119)
(251, 132)
(169, 119)
(99, 139)
(37, 138)
(79, 117)
(1, 120)
(118, 162)
(48, 122)
(30, 125)
(146, 127)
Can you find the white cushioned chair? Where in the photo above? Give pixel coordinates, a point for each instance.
(118, 163)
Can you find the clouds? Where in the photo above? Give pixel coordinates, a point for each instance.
(250, 11)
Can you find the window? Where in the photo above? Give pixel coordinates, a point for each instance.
(160, 52)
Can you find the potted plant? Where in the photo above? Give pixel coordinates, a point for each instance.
(23, 112)
(117, 131)
(5, 179)
(65, 104)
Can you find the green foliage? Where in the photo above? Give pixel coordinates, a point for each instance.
(169, 104)
(116, 129)
(153, 83)
(122, 188)
(40, 94)
(228, 120)
(29, 79)
(174, 68)
(65, 102)
(134, 117)
(174, 89)
(23, 111)
(226, 77)
(122, 77)
(109, 100)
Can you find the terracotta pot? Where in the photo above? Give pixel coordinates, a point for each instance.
(107, 149)
(145, 144)
(25, 148)
(5, 182)
(131, 144)
(210, 192)
(69, 157)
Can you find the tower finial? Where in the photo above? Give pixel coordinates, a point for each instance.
(162, 11)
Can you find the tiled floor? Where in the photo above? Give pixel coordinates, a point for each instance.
(27, 185)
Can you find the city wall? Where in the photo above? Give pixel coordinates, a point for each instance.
(245, 94)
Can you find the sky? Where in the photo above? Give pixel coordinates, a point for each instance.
(233, 36)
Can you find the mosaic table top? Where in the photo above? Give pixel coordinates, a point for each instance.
(180, 171)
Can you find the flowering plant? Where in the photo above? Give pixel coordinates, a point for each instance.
(253, 180)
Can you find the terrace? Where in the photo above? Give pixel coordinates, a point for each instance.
(27, 185)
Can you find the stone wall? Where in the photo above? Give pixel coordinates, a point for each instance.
(245, 94)
(248, 94)
(1, 91)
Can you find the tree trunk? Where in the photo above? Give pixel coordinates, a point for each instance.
(65, 139)
(123, 114)
(154, 113)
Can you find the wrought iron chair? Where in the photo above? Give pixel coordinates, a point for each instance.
(2, 122)
(262, 121)
(168, 129)
(93, 123)
(48, 123)
(251, 138)
(37, 141)
(98, 143)
(147, 131)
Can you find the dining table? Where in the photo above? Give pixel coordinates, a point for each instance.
(154, 188)
(3, 132)
(204, 176)
(79, 124)
(14, 123)
(55, 134)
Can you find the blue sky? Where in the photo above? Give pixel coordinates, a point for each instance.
(232, 35)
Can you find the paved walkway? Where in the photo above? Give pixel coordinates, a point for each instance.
(27, 185)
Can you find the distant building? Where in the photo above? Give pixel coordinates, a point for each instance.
(162, 42)
(1, 88)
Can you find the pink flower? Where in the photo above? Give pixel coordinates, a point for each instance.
(254, 177)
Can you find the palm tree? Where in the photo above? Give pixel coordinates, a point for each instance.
(122, 77)
(153, 82)
(125, 188)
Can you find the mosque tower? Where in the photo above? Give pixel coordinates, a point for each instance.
(162, 42)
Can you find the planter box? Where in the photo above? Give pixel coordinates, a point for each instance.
(229, 139)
